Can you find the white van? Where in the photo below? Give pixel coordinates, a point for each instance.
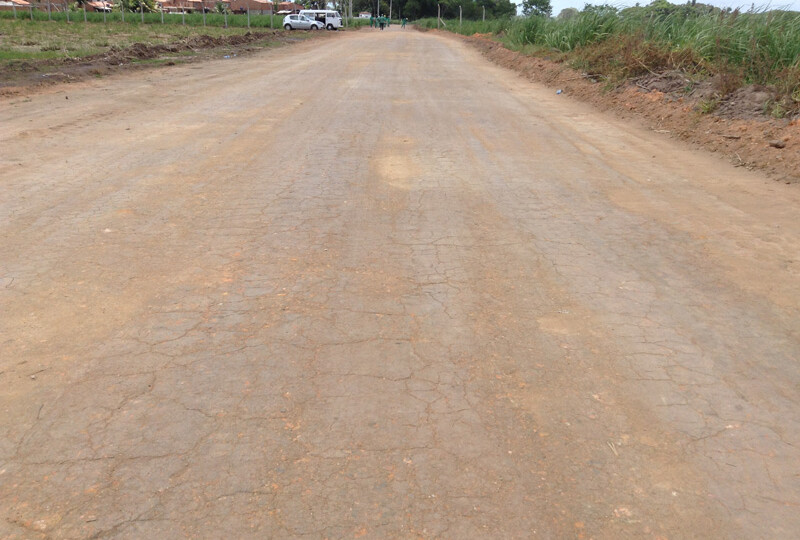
(330, 19)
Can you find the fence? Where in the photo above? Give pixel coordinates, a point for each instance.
(64, 12)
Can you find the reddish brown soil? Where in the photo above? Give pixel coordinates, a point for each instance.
(738, 128)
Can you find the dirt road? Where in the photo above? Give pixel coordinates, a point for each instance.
(382, 288)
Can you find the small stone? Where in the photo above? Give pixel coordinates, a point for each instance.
(777, 144)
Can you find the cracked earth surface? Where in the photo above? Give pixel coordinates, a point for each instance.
(383, 288)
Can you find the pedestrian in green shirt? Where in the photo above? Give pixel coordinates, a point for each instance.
(404, 21)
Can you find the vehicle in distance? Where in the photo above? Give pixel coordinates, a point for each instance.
(301, 22)
(330, 19)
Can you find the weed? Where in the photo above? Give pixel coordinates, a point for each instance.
(777, 109)
(708, 105)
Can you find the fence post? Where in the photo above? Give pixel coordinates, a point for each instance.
(248, 14)
(49, 17)
(438, 14)
(104, 13)
(203, 7)
(162, 15)
(484, 13)
(14, 9)
(66, 8)
(141, 8)
(84, 11)
(30, 7)
(183, 16)
(225, 15)
(459, 17)
(122, 10)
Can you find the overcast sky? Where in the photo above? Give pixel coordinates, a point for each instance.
(558, 5)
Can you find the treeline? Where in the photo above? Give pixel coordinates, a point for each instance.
(418, 9)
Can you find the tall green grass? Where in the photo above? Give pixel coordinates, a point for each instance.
(760, 47)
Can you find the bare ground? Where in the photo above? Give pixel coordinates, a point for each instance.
(385, 288)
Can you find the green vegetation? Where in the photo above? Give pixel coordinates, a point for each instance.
(170, 19)
(417, 9)
(734, 47)
(35, 40)
(25, 39)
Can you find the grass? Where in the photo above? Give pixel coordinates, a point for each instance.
(36, 40)
(736, 48)
(23, 39)
(170, 19)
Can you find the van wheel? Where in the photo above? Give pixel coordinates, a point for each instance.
(329, 27)
(287, 26)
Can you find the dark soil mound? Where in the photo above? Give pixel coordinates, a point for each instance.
(746, 102)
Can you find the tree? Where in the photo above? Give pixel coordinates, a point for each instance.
(567, 13)
(136, 5)
(541, 8)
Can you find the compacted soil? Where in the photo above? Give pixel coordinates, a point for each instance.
(385, 288)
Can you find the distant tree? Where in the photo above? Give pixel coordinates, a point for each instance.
(136, 5)
(567, 13)
(503, 8)
(606, 9)
(540, 8)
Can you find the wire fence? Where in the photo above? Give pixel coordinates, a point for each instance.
(66, 12)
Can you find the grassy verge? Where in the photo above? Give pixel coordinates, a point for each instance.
(731, 47)
(168, 19)
(24, 39)
(35, 40)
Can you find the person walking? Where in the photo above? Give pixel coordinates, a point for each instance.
(382, 22)
(403, 22)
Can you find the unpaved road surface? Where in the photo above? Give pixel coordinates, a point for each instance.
(383, 288)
